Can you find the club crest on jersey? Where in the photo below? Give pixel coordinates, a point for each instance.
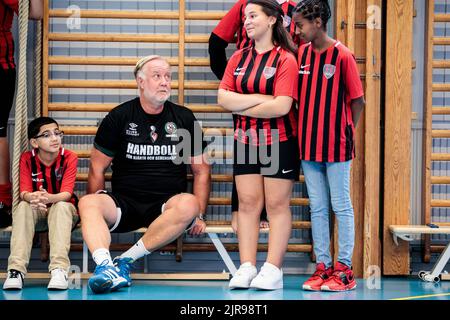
(171, 129)
(328, 71)
(132, 130)
(153, 134)
(269, 72)
(59, 173)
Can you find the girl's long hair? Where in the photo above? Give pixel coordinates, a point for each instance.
(280, 36)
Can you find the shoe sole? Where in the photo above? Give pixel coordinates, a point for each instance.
(100, 287)
(12, 288)
(309, 288)
(108, 285)
(120, 285)
(238, 287)
(55, 288)
(266, 288)
(327, 289)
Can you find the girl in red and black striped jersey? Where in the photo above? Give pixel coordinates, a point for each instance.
(260, 88)
(233, 24)
(331, 99)
(8, 85)
(47, 180)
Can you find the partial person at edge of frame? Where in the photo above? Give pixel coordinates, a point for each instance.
(8, 84)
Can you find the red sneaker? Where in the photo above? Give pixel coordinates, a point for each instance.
(342, 279)
(318, 278)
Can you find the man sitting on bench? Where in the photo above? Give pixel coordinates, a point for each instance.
(141, 138)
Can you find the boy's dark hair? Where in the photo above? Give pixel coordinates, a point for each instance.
(35, 126)
(313, 9)
(280, 36)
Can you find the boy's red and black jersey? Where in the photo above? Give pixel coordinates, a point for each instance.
(233, 24)
(328, 82)
(271, 73)
(7, 10)
(58, 177)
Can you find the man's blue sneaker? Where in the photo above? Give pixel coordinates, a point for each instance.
(106, 278)
(124, 265)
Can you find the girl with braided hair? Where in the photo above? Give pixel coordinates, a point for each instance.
(331, 99)
(260, 88)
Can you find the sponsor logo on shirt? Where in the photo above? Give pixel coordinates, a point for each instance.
(240, 71)
(153, 134)
(171, 130)
(328, 71)
(304, 69)
(149, 152)
(132, 130)
(269, 72)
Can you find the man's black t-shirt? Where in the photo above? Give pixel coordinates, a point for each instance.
(146, 148)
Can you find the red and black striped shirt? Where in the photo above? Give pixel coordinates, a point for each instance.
(272, 73)
(328, 82)
(58, 177)
(7, 10)
(233, 23)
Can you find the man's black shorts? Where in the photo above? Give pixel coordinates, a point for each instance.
(133, 215)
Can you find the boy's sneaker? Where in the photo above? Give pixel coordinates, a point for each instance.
(243, 277)
(59, 280)
(14, 280)
(318, 278)
(342, 279)
(124, 265)
(106, 278)
(269, 277)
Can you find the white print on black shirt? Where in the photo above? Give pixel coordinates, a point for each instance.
(149, 152)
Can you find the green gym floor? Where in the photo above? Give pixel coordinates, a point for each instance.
(408, 288)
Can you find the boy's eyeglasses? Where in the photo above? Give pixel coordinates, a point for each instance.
(49, 134)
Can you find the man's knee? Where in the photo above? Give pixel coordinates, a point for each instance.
(89, 205)
(188, 205)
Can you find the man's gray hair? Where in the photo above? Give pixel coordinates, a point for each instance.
(141, 63)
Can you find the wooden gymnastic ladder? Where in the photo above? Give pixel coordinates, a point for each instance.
(431, 133)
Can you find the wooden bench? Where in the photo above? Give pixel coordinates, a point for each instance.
(410, 232)
(213, 233)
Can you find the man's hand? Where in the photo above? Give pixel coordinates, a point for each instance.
(198, 228)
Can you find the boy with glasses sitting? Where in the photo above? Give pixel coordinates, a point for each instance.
(47, 179)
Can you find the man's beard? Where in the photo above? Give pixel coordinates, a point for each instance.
(154, 99)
